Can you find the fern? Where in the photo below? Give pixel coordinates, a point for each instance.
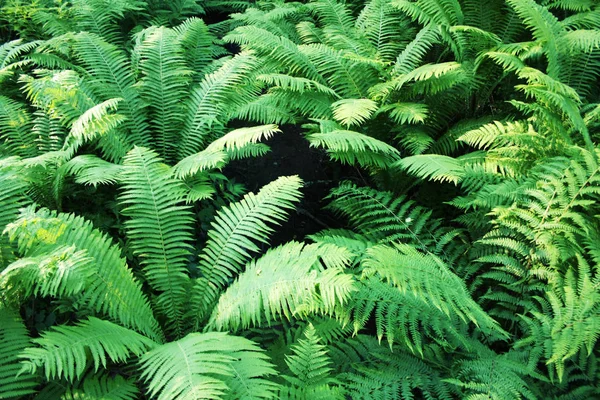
(234, 233)
(163, 86)
(434, 167)
(310, 367)
(352, 148)
(63, 350)
(13, 340)
(112, 291)
(103, 387)
(210, 362)
(284, 282)
(159, 229)
(61, 273)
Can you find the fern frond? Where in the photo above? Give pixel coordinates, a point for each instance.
(12, 197)
(60, 273)
(353, 148)
(233, 236)
(280, 49)
(350, 78)
(433, 167)
(113, 78)
(428, 279)
(382, 374)
(282, 283)
(197, 43)
(15, 129)
(91, 170)
(163, 85)
(103, 387)
(100, 16)
(353, 111)
(159, 229)
(241, 138)
(207, 159)
(63, 350)
(207, 102)
(402, 113)
(112, 291)
(383, 216)
(311, 368)
(14, 338)
(384, 26)
(414, 52)
(200, 366)
(441, 12)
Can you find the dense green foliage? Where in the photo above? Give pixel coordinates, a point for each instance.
(465, 262)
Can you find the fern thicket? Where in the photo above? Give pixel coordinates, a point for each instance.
(463, 260)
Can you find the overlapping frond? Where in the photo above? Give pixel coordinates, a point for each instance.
(208, 366)
(235, 234)
(15, 129)
(284, 282)
(14, 338)
(311, 369)
(207, 104)
(60, 273)
(433, 167)
(112, 290)
(164, 85)
(63, 351)
(159, 229)
(103, 387)
(113, 78)
(353, 148)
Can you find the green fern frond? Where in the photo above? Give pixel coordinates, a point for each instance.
(428, 279)
(350, 78)
(163, 85)
(63, 350)
(282, 283)
(380, 374)
(198, 46)
(239, 139)
(383, 216)
(96, 121)
(207, 102)
(14, 338)
(353, 111)
(572, 324)
(91, 170)
(280, 49)
(207, 159)
(100, 16)
(414, 52)
(103, 387)
(433, 167)
(113, 78)
(403, 113)
(311, 368)
(385, 27)
(12, 197)
(112, 291)
(60, 273)
(233, 236)
(15, 131)
(353, 148)
(440, 12)
(201, 366)
(159, 229)
(295, 84)
(496, 376)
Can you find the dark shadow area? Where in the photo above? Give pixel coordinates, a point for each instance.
(291, 155)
